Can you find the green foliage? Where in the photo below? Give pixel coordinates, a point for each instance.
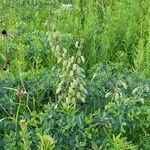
(47, 142)
(25, 135)
(42, 65)
(10, 142)
(120, 143)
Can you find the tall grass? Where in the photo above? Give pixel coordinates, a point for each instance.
(111, 29)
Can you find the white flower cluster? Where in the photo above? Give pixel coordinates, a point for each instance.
(66, 7)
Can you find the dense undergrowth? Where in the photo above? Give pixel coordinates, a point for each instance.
(74, 74)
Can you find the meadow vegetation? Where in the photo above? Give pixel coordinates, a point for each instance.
(75, 74)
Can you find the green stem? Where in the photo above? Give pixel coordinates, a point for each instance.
(17, 115)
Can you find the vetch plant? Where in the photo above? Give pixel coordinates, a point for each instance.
(71, 87)
(25, 135)
(46, 142)
(117, 92)
(121, 143)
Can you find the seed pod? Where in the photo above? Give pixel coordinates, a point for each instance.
(59, 54)
(82, 99)
(73, 93)
(85, 91)
(147, 89)
(78, 95)
(94, 76)
(77, 44)
(65, 63)
(82, 87)
(82, 70)
(69, 64)
(72, 85)
(108, 94)
(71, 73)
(59, 97)
(83, 95)
(70, 90)
(74, 67)
(108, 106)
(61, 83)
(117, 96)
(124, 85)
(79, 60)
(79, 53)
(58, 90)
(75, 82)
(72, 59)
(65, 51)
(141, 100)
(82, 75)
(57, 48)
(63, 55)
(120, 95)
(59, 60)
(78, 71)
(53, 49)
(82, 59)
(135, 90)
